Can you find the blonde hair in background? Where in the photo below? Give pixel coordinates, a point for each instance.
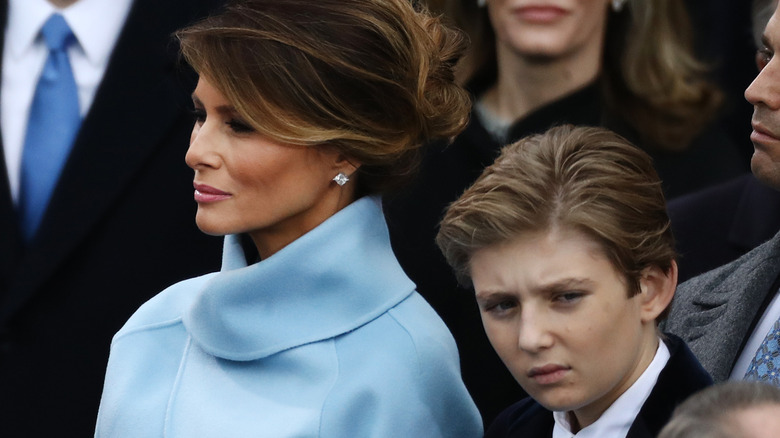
(650, 75)
(586, 179)
(372, 78)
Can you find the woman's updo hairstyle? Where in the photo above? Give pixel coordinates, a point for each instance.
(372, 78)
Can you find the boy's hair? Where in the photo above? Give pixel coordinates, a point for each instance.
(586, 179)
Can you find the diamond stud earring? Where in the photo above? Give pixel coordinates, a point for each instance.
(341, 178)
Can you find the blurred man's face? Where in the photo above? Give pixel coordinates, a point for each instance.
(764, 94)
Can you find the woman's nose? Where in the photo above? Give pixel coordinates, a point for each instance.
(201, 153)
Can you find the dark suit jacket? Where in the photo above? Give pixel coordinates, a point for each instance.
(718, 225)
(120, 227)
(681, 377)
(716, 312)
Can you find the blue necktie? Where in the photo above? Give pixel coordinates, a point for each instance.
(765, 366)
(51, 128)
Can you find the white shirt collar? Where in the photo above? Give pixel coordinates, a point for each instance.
(618, 418)
(95, 23)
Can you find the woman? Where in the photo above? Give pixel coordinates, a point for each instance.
(625, 64)
(534, 64)
(568, 246)
(305, 113)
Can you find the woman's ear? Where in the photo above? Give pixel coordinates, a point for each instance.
(345, 165)
(338, 160)
(656, 290)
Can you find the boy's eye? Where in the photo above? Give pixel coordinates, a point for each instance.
(498, 307)
(505, 305)
(568, 297)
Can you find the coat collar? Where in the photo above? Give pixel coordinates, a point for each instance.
(681, 377)
(330, 281)
(726, 311)
(580, 107)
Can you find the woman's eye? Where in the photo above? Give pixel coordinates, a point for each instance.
(763, 56)
(199, 115)
(239, 127)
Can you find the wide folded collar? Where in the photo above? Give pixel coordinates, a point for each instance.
(330, 281)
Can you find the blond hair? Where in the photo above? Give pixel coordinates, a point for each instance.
(372, 78)
(650, 74)
(586, 179)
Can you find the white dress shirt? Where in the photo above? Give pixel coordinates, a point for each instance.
(618, 418)
(96, 25)
(765, 324)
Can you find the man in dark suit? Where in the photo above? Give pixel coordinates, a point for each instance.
(719, 224)
(722, 223)
(118, 228)
(730, 316)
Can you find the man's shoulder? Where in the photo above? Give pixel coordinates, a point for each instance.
(757, 263)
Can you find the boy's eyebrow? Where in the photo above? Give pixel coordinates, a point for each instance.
(491, 295)
(563, 284)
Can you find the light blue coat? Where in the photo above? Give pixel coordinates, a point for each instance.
(326, 338)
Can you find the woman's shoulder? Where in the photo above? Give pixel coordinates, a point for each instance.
(406, 347)
(411, 334)
(166, 307)
(423, 325)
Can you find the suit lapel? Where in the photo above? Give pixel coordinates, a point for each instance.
(681, 377)
(132, 111)
(716, 331)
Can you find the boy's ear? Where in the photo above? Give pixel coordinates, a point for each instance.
(656, 290)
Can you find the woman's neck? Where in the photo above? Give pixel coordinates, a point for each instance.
(526, 84)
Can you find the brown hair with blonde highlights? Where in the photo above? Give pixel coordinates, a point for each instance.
(372, 78)
(586, 179)
(650, 74)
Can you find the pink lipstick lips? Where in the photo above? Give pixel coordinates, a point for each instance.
(539, 14)
(204, 193)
